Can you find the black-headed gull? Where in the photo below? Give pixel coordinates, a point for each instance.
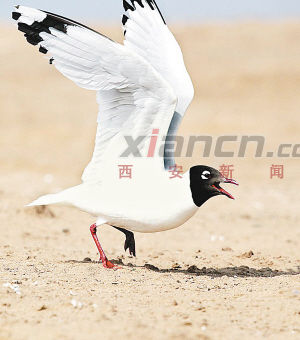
(143, 89)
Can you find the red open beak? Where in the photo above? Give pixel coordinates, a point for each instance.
(222, 191)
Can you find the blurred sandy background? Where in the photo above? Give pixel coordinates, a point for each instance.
(247, 80)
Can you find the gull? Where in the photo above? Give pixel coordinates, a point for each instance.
(143, 90)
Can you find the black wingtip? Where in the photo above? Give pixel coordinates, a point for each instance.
(150, 3)
(124, 19)
(138, 1)
(43, 50)
(16, 15)
(24, 28)
(127, 6)
(31, 40)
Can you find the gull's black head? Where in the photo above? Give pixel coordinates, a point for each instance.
(205, 183)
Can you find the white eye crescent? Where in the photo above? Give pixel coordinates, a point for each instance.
(205, 174)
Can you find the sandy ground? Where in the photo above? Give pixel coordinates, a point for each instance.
(230, 272)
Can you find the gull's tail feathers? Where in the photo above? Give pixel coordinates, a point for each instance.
(67, 196)
(46, 200)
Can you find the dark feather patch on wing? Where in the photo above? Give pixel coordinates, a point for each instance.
(138, 1)
(16, 15)
(127, 6)
(60, 20)
(32, 32)
(32, 39)
(150, 3)
(124, 19)
(132, 7)
(43, 50)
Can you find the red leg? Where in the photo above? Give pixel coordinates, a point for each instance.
(103, 258)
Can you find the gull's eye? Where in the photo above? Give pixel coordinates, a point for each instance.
(206, 174)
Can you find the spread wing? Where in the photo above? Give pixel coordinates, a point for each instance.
(147, 34)
(134, 99)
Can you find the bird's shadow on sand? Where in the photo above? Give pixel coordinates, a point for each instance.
(241, 271)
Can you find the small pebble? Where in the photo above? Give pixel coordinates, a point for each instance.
(76, 304)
